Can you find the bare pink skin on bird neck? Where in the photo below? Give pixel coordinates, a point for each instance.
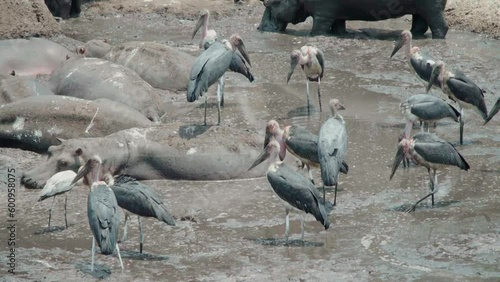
(274, 128)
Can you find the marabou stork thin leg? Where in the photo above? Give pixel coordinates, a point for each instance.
(65, 203)
(119, 256)
(287, 225)
(141, 237)
(303, 226)
(124, 236)
(433, 186)
(222, 83)
(308, 95)
(93, 253)
(206, 102)
(461, 125)
(50, 210)
(319, 93)
(335, 196)
(324, 194)
(219, 97)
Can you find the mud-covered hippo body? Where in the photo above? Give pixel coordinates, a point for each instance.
(166, 151)
(329, 16)
(64, 8)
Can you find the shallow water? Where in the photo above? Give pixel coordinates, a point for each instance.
(238, 227)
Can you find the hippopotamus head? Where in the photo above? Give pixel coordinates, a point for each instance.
(65, 156)
(279, 13)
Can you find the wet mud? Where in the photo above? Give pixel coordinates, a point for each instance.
(233, 230)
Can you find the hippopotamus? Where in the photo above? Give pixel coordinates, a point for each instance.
(35, 123)
(92, 78)
(29, 57)
(329, 16)
(160, 65)
(165, 151)
(64, 8)
(13, 88)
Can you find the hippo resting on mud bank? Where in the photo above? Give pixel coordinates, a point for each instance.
(13, 88)
(329, 16)
(35, 123)
(31, 56)
(91, 78)
(161, 66)
(160, 152)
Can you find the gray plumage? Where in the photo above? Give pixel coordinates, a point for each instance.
(304, 145)
(207, 69)
(332, 149)
(431, 152)
(422, 67)
(140, 199)
(298, 192)
(428, 108)
(465, 91)
(238, 65)
(104, 219)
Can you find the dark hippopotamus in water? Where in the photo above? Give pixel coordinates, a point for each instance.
(166, 151)
(29, 57)
(35, 123)
(160, 65)
(64, 8)
(92, 78)
(13, 88)
(329, 16)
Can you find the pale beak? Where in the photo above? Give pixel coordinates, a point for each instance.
(432, 79)
(198, 25)
(398, 46)
(243, 52)
(397, 160)
(262, 157)
(293, 63)
(82, 172)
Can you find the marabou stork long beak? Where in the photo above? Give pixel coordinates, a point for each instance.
(493, 111)
(433, 78)
(293, 63)
(398, 46)
(82, 172)
(397, 160)
(243, 51)
(262, 157)
(199, 23)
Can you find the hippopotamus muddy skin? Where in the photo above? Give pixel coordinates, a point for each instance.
(35, 123)
(64, 8)
(329, 16)
(159, 152)
(161, 66)
(92, 78)
(13, 88)
(30, 57)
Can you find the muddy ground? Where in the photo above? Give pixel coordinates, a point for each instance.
(237, 227)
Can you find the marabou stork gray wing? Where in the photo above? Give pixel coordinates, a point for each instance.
(238, 65)
(434, 110)
(423, 67)
(441, 153)
(299, 192)
(332, 149)
(207, 69)
(467, 91)
(321, 59)
(303, 143)
(140, 199)
(104, 219)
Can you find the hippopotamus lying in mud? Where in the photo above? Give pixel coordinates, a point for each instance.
(13, 88)
(161, 66)
(92, 78)
(159, 152)
(35, 123)
(329, 16)
(32, 56)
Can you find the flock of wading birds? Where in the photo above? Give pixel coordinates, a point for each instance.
(327, 150)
